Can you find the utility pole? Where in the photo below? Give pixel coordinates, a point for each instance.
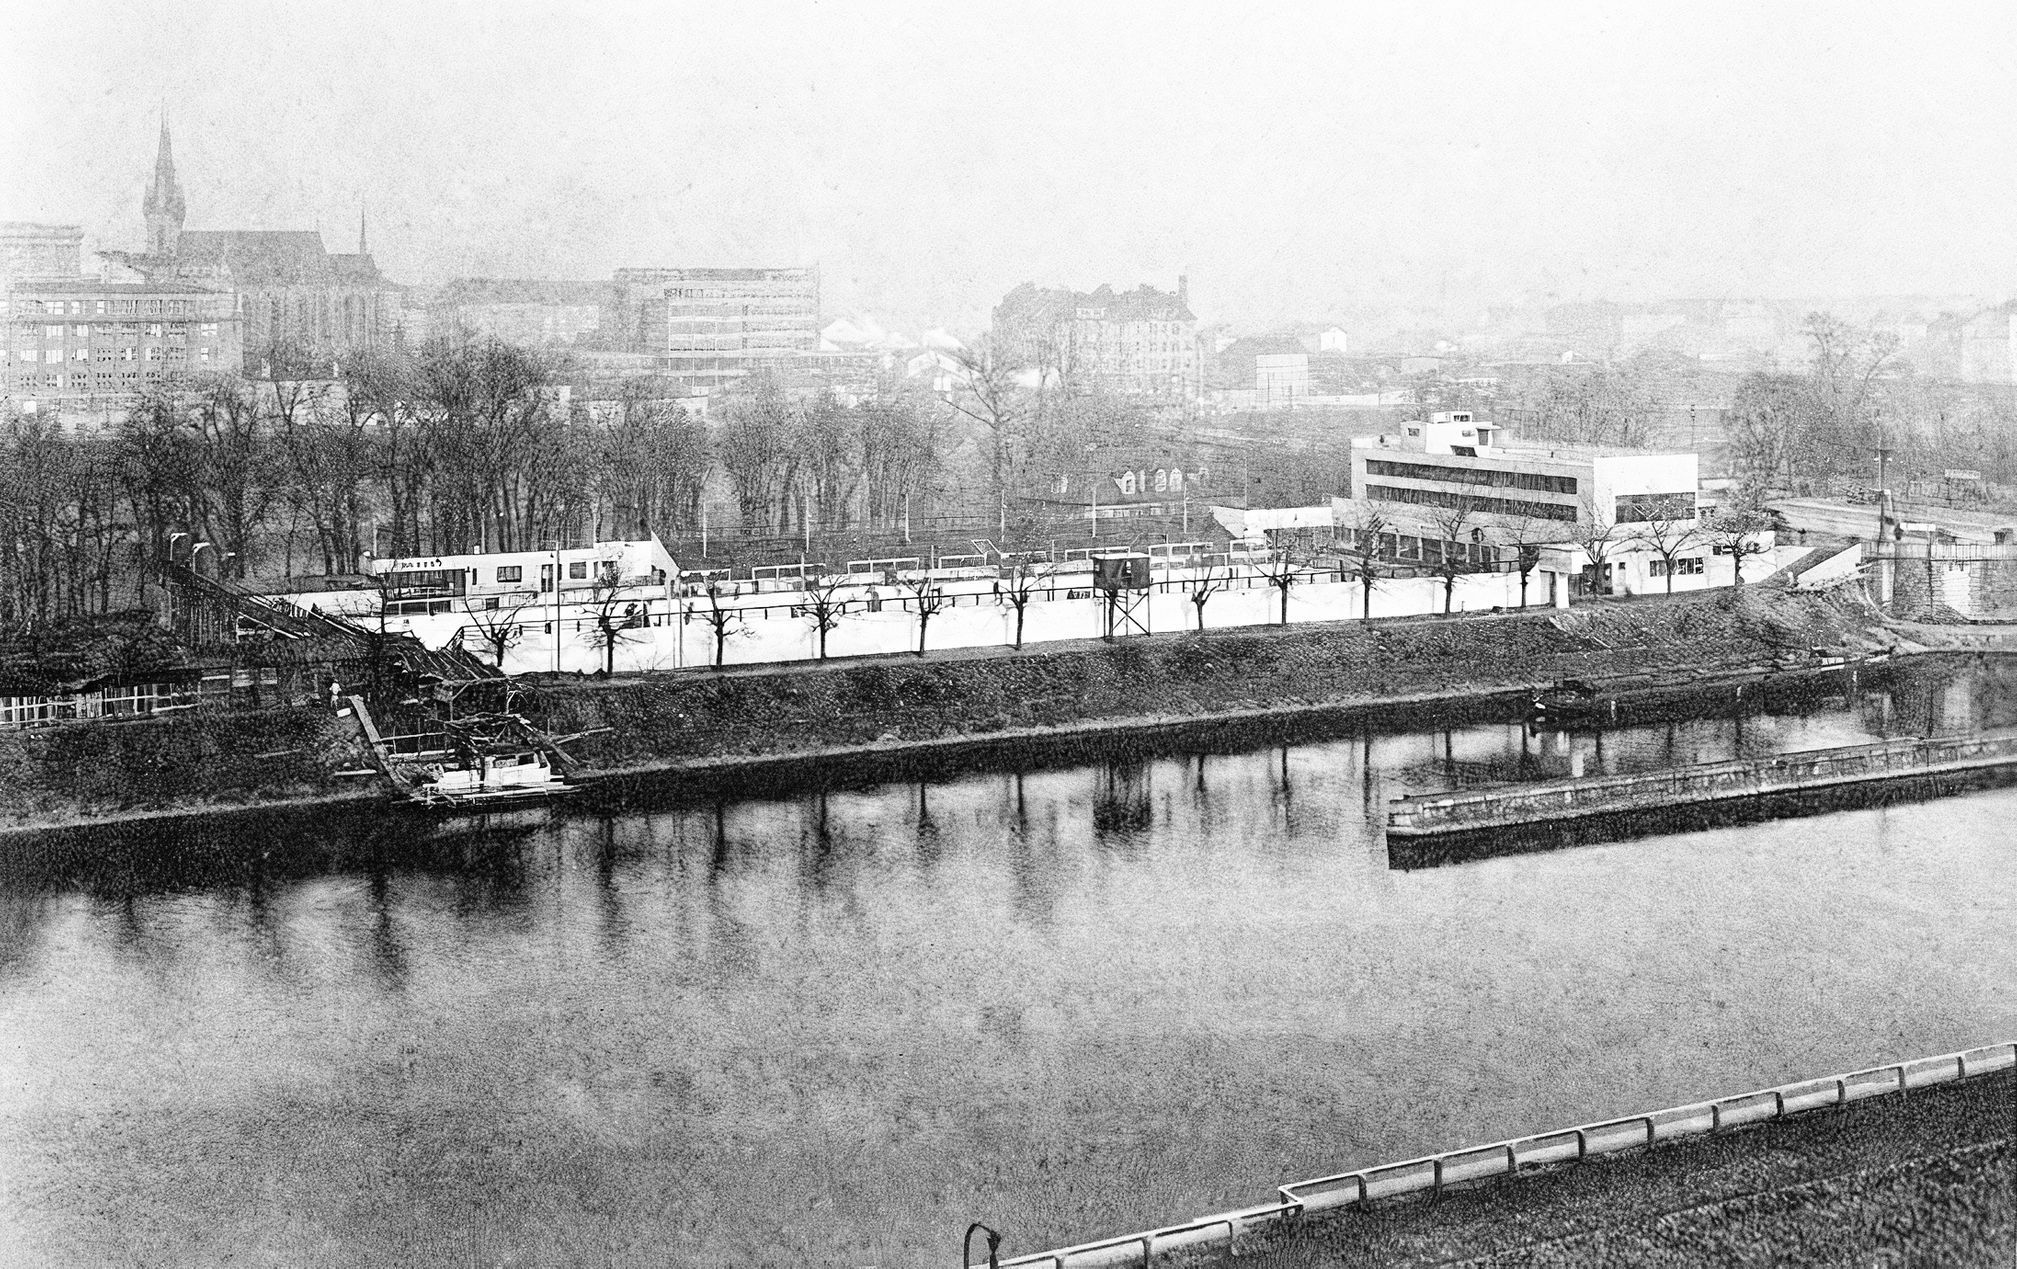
(1883, 486)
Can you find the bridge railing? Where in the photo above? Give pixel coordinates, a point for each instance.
(1432, 1174)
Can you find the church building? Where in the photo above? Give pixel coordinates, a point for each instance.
(293, 298)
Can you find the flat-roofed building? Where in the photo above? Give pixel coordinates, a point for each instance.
(709, 328)
(1454, 469)
(79, 344)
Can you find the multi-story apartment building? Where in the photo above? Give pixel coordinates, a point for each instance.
(1141, 341)
(709, 328)
(78, 343)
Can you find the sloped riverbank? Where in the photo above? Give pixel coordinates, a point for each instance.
(749, 723)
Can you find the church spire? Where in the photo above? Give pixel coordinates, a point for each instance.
(362, 248)
(163, 205)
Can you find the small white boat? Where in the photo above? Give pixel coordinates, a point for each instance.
(489, 778)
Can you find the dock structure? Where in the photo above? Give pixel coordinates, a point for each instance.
(1424, 815)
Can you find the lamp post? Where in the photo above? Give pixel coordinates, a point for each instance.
(1093, 484)
(1883, 484)
(556, 605)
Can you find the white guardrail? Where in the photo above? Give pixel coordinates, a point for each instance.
(1434, 1173)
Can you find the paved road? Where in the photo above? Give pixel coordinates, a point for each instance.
(1920, 1179)
(1843, 519)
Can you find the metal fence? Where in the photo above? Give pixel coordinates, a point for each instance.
(1432, 1174)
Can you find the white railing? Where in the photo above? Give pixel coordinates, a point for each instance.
(1432, 1174)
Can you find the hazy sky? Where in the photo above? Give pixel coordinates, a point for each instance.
(1293, 160)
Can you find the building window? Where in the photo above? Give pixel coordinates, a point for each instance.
(511, 573)
(1473, 502)
(53, 332)
(1472, 476)
(178, 354)
(153, 354)
(154, 330)
(203, 354)
(103, 354)
(1639, 508)
(126, 353)
(578, 569)
(1692, 566)
(52, 356)
(80, 354)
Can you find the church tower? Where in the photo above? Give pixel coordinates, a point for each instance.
(163, 205)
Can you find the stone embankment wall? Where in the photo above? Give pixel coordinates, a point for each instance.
(200, 761)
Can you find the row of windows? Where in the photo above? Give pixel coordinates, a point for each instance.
(1682, 568)
(115, 308)
(103, 353)
(1472, 476)
(110, 330)
(1639, 508)
(78, 381)
(577, 570)
(1472, 502)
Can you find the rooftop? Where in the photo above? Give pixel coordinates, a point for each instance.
(95, 286)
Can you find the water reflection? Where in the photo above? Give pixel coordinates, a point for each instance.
(836, 1023)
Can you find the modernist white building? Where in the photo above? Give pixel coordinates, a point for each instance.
(1455, 465)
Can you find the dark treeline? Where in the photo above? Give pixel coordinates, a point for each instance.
(455, 445)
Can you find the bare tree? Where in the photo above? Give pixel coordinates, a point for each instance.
(1764, 424)
(899, 445)
(1735, 534)
(719, 618)
(1525, 537)
(990, 395)
(824, 443)
(929, 601)
(824, 605)
(1666, 534)
(1599, 537)
(616, 616)
(755, 446)
(1284, 572)
(1453, 551)
(502, 627)
(1203, 587)
(1024, 579)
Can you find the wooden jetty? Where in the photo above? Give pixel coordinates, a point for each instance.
(1513, 806)
(480, 761)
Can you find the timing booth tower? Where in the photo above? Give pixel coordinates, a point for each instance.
(1122, 579)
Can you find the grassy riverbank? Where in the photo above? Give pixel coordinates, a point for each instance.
(196, 762)
(711, 719)
(1921, 1179)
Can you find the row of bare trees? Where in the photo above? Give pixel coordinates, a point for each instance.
(456, 445)
(800, 457)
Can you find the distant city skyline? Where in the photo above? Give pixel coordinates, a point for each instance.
(1294, 162)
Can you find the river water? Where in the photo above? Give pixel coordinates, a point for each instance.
(834, 1026)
